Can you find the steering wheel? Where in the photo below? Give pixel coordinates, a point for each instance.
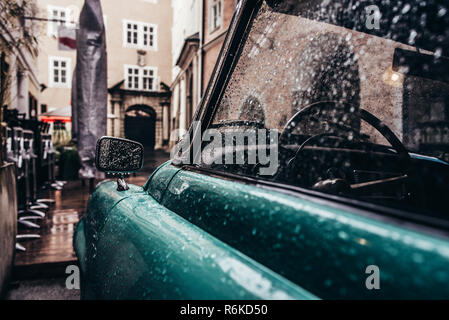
(330, 106)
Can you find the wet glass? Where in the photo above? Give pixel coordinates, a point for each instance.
(361, 105)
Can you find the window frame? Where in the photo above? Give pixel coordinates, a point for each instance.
(140, 85)
(51, 68)
(211, 17)
(52, 27)
(140, 35)
(127, 44)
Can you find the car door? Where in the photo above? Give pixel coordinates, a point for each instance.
(322, 247)
(347, 198)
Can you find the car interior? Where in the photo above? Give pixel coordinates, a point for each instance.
(353, 120)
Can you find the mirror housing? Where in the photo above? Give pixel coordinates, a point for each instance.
(118, 157)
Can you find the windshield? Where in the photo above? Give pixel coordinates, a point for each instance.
(358, 92)
(291, 61)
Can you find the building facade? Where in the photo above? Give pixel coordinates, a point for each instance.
(19, 72)
(186, 60)
(138, 34)
(199, 30)
(217, 16)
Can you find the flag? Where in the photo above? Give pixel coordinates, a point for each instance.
(66, 38)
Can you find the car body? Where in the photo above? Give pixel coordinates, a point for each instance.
(351, 206)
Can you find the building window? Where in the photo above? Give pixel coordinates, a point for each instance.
(59, 72)
(132, 76)
(148, 35)
(215, 15)
(139, 35)
(132, 33)
(67, 16)
(148, 79)
(140, 78)
(55, 13)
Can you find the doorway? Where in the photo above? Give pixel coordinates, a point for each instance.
(140, 125)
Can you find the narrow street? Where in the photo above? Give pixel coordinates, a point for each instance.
(39, 272)
(298, 150)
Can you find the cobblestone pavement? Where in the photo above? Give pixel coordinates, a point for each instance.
(41, 289)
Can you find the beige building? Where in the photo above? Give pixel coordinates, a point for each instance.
(138, 34)
(199, 30)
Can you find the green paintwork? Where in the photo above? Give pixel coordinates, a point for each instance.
(159, 180)
(324, 249)
(216, 239)
(141, 250)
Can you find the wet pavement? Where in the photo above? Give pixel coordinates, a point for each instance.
(41, 289)
(39, 272)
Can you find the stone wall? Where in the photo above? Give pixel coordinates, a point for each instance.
(116, 125)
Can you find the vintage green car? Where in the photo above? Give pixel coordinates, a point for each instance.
(316, 167)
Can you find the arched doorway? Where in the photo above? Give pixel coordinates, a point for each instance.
(140, 125)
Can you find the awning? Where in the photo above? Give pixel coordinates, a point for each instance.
(63, 114)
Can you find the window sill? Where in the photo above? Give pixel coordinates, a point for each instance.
(60, 86)
(140, 90)
(130, 46)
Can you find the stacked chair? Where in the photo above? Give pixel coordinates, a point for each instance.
(48, 155)
(29, 146)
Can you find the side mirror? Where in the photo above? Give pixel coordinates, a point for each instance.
(119, 157)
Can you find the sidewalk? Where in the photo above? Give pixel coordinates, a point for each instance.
(47, 257)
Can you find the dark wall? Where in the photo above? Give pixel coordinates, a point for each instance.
(8, 222)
